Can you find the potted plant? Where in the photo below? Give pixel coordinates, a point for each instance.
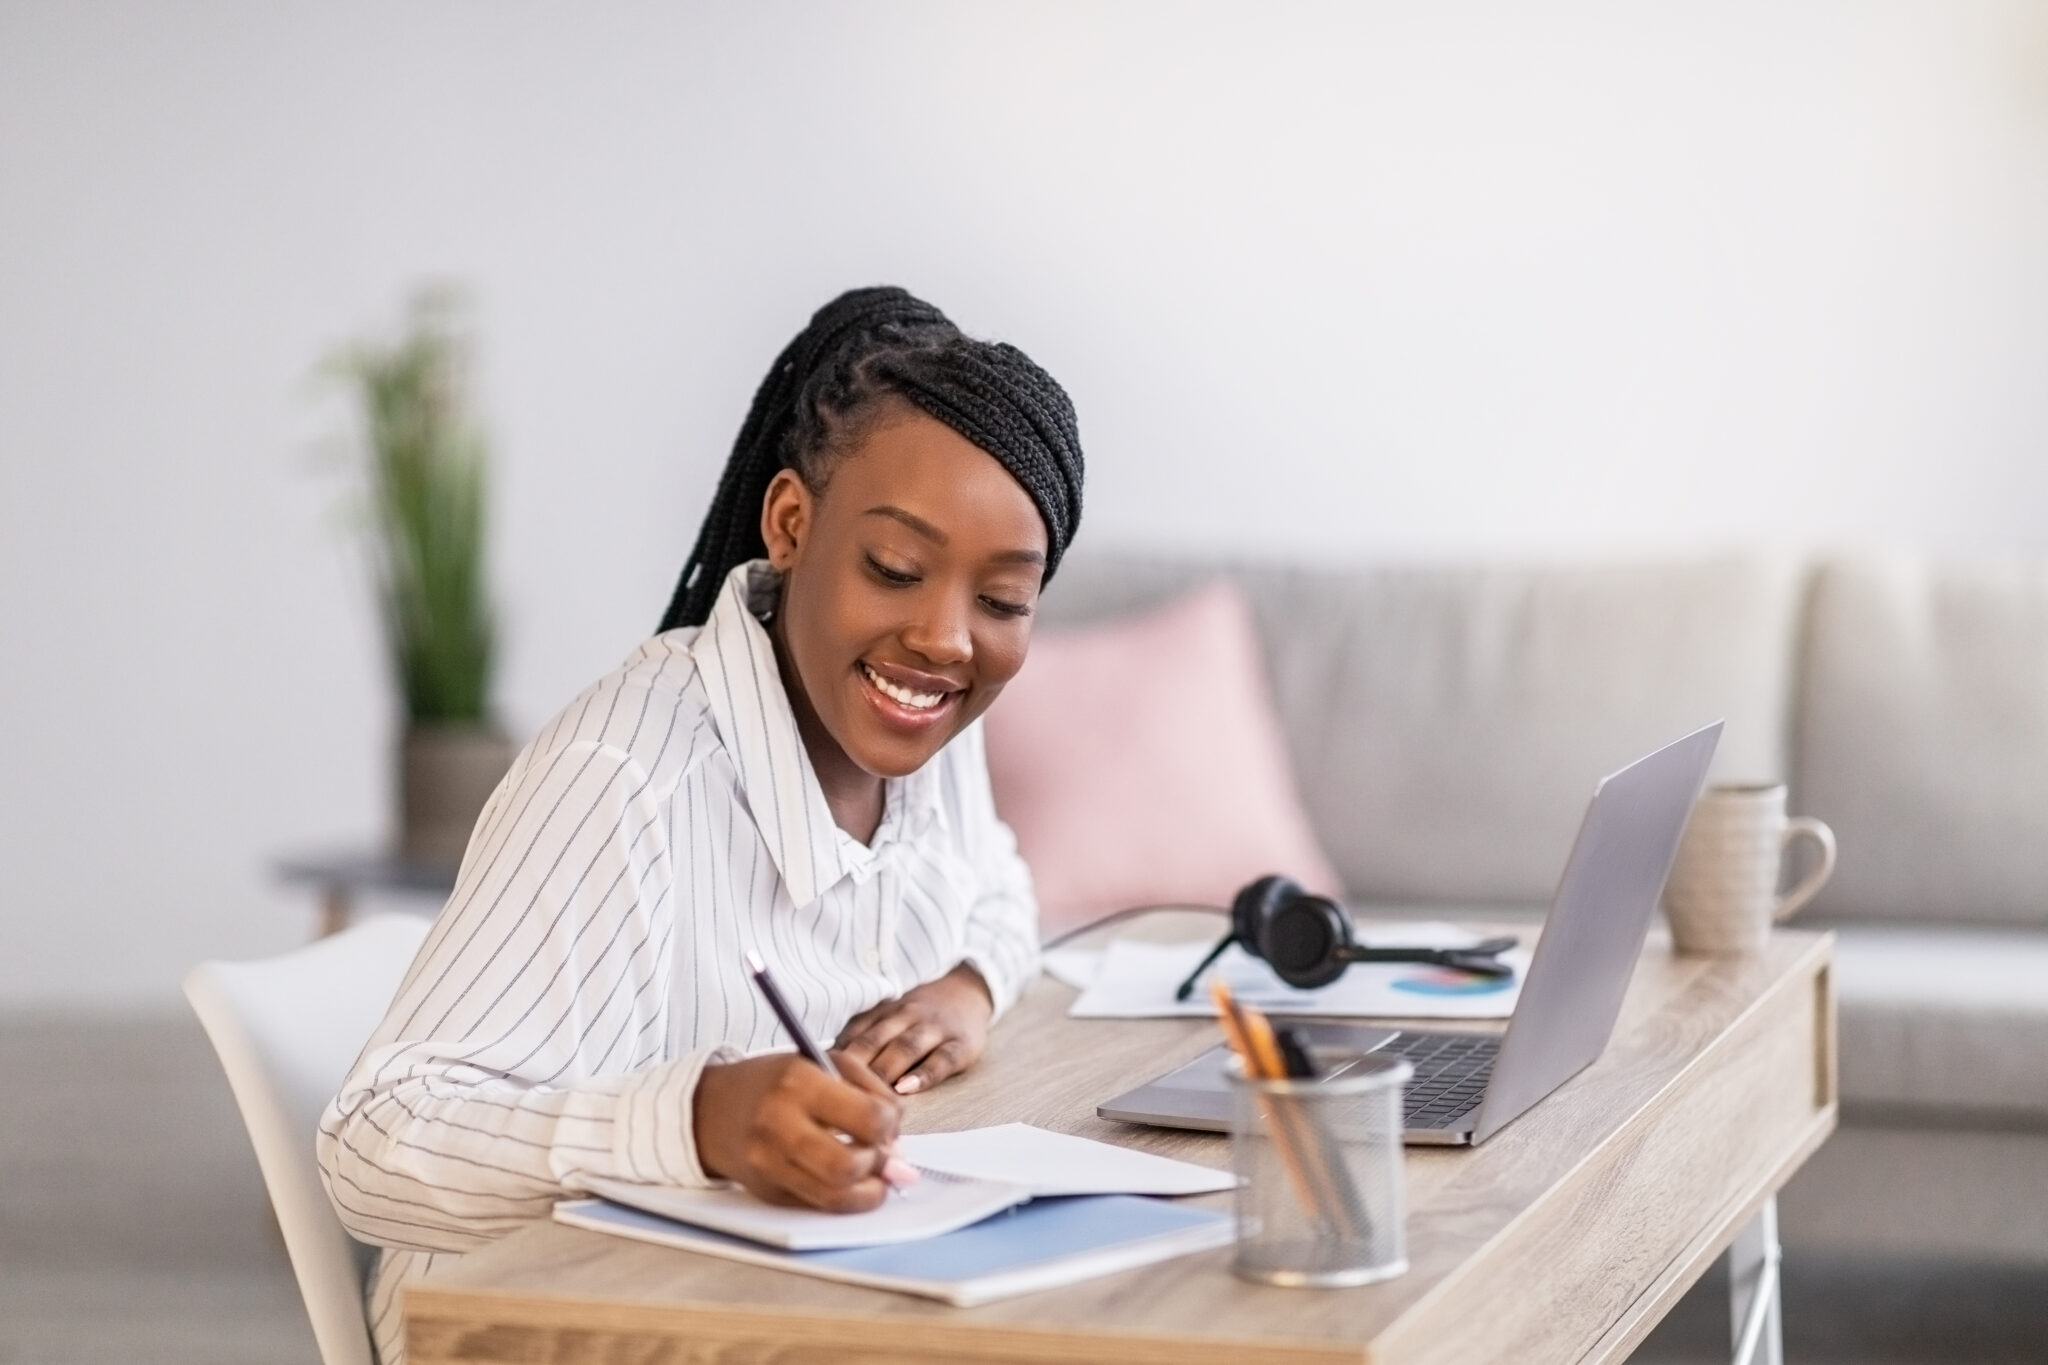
(425, 522)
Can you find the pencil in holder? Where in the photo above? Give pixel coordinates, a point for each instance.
(1321, 1196)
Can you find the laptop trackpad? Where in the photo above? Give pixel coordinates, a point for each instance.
(1197, 1095)
(1336, 1047)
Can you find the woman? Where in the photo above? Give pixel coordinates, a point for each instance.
(791, 767)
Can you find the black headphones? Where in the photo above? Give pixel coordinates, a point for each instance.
(1307, 939)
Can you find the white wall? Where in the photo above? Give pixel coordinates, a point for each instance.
(1336, 280)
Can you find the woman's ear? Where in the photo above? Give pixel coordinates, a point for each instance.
(785, 517)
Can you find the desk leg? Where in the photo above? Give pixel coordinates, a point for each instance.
(334, 908)
(1755, 1314)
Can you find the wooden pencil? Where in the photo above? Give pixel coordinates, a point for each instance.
(1262, 1062)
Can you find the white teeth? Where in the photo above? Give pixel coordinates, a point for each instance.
(922, 701)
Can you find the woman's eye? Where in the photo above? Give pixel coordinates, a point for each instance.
(889, 575)
(1002, 608)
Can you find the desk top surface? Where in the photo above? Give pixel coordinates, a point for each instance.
(1616, 1191)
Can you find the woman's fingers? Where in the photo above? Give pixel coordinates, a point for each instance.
(860, 1022)
(907, 1049)
(857, 1105)
(883, 1024)
(842, 1177)
(791, 1133)
(837, 1155)
(857, 1072)
(932, 1032)
(947, 1059)
(788, 1181)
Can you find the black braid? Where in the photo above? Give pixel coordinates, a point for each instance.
(830, 383)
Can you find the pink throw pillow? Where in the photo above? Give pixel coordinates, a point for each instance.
(1139, 762)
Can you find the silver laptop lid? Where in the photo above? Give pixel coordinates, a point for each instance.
(1571, 995)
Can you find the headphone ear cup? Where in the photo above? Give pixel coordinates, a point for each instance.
(1251, 907)
(1305, 941)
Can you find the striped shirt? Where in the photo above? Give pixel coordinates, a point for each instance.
(590, 962)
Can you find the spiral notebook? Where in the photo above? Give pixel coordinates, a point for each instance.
(967, 1176)
(937, 1204)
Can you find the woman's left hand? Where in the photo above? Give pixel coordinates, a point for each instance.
(924, 1035)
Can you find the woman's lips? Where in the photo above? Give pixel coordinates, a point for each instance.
(909, 703)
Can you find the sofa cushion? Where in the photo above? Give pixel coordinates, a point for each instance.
(1447, 724)
(1140, 763)
(1923, 739)
(1949, 1019)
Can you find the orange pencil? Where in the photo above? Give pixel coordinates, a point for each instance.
(1231, 1019)
(1265, 1046)
(1319, 1165)
(1241, 1028)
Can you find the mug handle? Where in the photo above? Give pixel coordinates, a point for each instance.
(1810, 885)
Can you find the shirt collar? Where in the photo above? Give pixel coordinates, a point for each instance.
(751, 710)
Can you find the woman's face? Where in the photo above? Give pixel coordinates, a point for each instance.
(908, 592)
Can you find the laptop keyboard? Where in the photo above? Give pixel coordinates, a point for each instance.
(1451, 1071)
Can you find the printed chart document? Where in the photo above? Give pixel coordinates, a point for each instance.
(1039, 1245)
(1134, 979)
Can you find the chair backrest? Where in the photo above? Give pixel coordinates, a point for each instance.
(287, 1029)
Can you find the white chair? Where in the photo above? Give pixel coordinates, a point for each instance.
(287, 1029)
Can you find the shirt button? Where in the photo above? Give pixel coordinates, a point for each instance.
(871, 959)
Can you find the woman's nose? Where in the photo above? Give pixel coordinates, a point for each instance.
(940, 633)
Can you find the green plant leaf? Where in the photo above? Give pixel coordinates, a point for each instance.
(427, 485)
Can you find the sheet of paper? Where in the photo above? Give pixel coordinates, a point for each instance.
(940, 1203)
(1074, 967)
(1136, 980)
(1050, 1163)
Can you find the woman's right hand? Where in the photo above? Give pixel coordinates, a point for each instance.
(774, 1124)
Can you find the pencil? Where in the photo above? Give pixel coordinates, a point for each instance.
(817, 1056)
(1322, 1160)
(1237, 1027)
(791, 1025)
(1329, 1147)
(1317, 1160)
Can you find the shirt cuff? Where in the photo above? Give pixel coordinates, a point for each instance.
(640, 1128)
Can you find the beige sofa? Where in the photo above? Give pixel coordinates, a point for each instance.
(1447, 724)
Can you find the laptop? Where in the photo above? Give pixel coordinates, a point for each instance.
(1468, 1086)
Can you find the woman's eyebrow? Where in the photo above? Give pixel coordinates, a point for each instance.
(910, 519)
(939, 538)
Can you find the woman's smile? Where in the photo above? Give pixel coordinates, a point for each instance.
(908, 698)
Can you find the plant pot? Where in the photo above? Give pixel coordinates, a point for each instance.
(446, 774)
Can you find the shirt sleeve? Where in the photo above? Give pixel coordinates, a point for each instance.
(528, 1046)
(1002, 924)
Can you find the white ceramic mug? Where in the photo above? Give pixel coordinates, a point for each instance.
(1723, 893)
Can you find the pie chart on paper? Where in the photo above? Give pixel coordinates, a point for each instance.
(1446, 981)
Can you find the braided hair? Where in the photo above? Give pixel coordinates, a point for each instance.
(863, 351)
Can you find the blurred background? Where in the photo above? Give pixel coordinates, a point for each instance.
(1331, 281)
(1335, 281)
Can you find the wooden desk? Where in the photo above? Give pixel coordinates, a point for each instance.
(1564, 1237)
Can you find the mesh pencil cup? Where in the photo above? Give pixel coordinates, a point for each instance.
(1321, 1198)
